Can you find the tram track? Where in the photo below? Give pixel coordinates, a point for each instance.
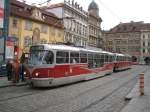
(80, 94)
(103, 98)
(107, 95)
(106, 83)
(33, 93)
(92, 89)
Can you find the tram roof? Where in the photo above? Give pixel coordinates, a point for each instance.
(60, 47)
(128, 55)
(110, 53)
(71, 48)
(118, 54)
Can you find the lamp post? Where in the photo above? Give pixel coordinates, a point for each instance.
(6, 23)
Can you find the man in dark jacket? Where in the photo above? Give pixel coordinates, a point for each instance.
(9, 69)
(22, 61)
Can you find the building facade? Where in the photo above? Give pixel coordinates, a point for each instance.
(75, 21)
(94, 22)
(129, 38)
(30, 25)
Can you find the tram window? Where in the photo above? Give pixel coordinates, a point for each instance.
(90, 60)
(97, 60)
(110, 58)
(83, 58)
(117, 58)
(106, 58)
(62, 57)
(102, 60)
(49, 57)
(74, 57)
(113, 58)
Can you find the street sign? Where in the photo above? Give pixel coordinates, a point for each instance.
(2, 13)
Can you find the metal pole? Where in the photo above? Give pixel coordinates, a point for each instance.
(6, 23)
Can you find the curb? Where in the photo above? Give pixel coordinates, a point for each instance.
(14, 84)
(133, 93)
(21, 84)
(4, 86)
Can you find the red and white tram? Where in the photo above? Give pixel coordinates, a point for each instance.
(52, 65)
(122, 62)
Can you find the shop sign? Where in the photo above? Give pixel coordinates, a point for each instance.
(1, 13)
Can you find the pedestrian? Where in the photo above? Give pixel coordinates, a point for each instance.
(9, 69)
(21, 68)
(15, 69)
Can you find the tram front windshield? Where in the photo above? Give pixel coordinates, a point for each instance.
(38, 57)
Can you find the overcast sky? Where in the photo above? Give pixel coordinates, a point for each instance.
(113, 12)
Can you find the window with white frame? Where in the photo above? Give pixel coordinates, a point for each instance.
(44, 29)
(28, 25)
(27, 41)
(148, 43)
(15, 23)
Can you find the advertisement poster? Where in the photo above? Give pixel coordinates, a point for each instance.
(1, 13)
(9, 50)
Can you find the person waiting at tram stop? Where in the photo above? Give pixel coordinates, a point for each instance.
(21, 67)
(9, 69)
(15, 70)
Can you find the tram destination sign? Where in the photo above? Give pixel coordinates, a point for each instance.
(36, 48)
(2, 2)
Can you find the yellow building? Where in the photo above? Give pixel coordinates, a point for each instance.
(31, 25)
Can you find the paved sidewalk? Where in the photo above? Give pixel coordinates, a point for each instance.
(5, 83)
(139, 103)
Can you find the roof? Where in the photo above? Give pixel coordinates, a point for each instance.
(55, 6)
(93, 5)
(130, 27)
(20, 9)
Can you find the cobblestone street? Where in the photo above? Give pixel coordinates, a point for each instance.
(104, 94)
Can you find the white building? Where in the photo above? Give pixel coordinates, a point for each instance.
(75, 21)
(95, 34)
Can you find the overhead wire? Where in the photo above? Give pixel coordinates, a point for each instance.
(109, 10)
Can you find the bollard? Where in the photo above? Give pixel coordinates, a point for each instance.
(141, 84)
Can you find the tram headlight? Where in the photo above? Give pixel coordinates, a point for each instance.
(36, 74)
(24, 73)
